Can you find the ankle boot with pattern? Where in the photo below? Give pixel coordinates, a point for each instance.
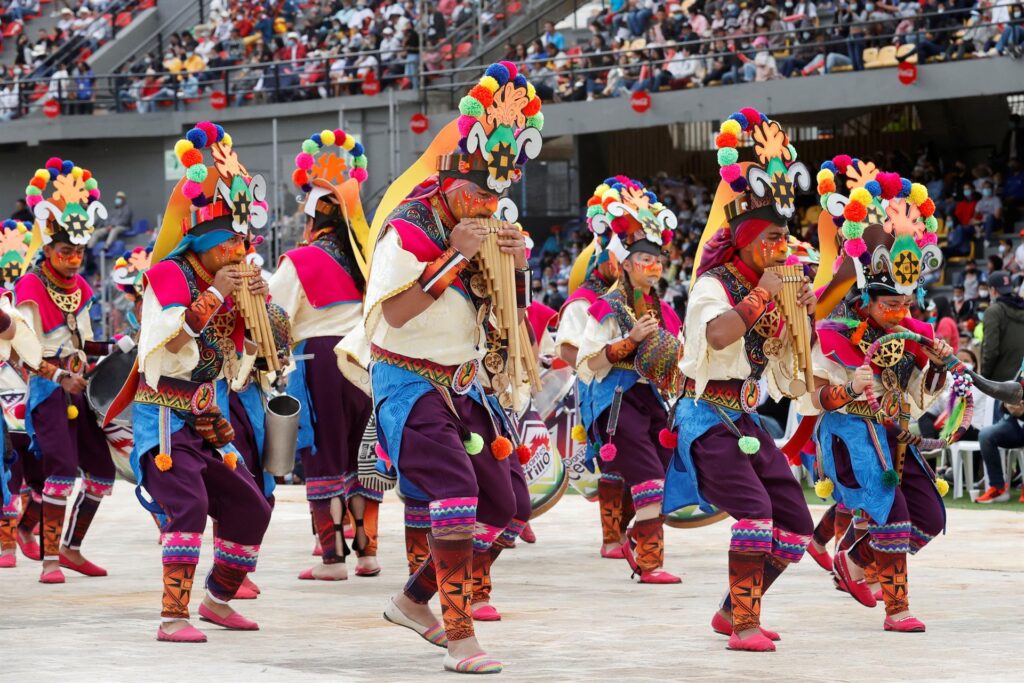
(892, 574)
(50, 529)
(609, 498)
(453, 565)
(178, 578)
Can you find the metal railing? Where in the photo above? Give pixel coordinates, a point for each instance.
(70, 49)
(189, 15)
(322, 77)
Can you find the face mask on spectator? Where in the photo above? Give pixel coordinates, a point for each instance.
(986, 192)
(969, 366)
(982, 293)
(759, 21)
(968, 192)
(958, 298)
(869, 7)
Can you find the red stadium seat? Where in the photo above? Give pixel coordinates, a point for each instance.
(146, 4)
(13, 29)
(464, 50)
(123, 19)
(514, 7)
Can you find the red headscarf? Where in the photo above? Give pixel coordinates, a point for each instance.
(726, 242)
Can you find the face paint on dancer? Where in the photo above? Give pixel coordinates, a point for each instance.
(771, 247)
(644, 270)
(469, 200)
(889, 311)
(65, 258)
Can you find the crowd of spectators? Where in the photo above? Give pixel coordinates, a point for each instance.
(275, 50)
(633, 45)
(53, 64)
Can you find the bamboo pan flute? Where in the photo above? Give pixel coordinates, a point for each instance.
(798, 325)
(257, 322)
(499, 271)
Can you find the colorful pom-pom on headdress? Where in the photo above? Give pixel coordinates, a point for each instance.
(889, 260)
(129, 268)
(223, 196)
(72, 211)
(772, 180)
(500, 124)
(625, 216)
(15, 237)
(328, 166)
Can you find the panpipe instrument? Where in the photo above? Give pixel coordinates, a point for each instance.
(798, 326)
(254, 312)
(499, 272)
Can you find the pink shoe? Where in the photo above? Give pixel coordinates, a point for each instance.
(245, 593)
(823, 559)
(486, 612)
(251, 585)
(236, 622)
(8, 561)
(189, 634)
(29, 549)
(659, 576)
(55, 576)
(527, 534)
(317, 550)
(349, 533)
(307, 575)
(367, 572)
(755, 643)
(878, 595)
(904, 625)
(858, 589)
(720, 624)
(617, 553)
(86, 568)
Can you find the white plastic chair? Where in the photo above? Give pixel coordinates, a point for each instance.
(961, 453)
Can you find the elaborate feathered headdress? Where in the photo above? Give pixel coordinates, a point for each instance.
(751, 193)
(500, 125)
(887, 229)
(331, 188)
(129, 268)
(72, 211)
(210, 198)
(15, 238)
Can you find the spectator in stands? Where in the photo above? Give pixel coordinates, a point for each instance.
(964, 209)
(119, 220)
(1008, 432)
(940, 316)
(85, 97)
(553, 297)
(988, 211)
(972, 281)
(1003, 344)
(550, 35)
(963, 308)
(20, 10)
(1010, 13)
(21, 212)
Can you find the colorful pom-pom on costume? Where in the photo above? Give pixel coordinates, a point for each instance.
(579, 433)
(163, 462)
(608, 452)
(501, 448)
(474, 444)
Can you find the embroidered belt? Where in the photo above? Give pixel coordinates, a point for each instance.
(731, 394)
(860, 409)
(72, 363)
(458, 378)
(178, 394)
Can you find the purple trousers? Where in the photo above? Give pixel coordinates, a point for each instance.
(434, 459)
(200, 484)
(340, 413)
(753, 488)
(245, 440)
(640, 460)
(69, 445)
(916, 504)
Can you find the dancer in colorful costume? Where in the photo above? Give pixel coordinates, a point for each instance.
(888, 239)
(599, 267)
(629, 356)
(425, 319)
(17, 341)
(192, 335)
(55, 300)
(321, 285)
(734, 338)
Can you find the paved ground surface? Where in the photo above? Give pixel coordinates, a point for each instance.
(569, 615)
